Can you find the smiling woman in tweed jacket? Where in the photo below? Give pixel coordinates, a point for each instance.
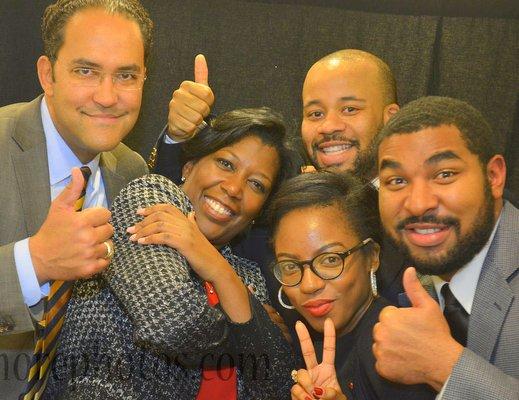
(149, 327)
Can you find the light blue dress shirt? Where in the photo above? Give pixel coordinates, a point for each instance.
(61, 160)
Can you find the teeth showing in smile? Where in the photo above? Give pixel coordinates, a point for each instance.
(218, 207)
(427, 231)
(335, 149)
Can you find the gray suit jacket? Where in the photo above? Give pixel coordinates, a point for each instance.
(24, 202)
(489, 365)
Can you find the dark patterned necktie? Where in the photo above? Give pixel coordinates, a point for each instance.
(457, 317)
(50, 326)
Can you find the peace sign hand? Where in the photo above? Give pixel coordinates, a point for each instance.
(317, 380)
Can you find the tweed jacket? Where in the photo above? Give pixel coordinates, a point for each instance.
(144, 329)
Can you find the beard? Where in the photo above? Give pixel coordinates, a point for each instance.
(463, 251)
(365, 165)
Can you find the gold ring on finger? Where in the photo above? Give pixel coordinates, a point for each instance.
(109, 250)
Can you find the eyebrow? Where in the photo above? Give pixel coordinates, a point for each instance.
(320, 250)
(87, 63)
(83, 61)
(344, 98)
(389, 164)
(444, 155)
(434, 159)
(239, 159)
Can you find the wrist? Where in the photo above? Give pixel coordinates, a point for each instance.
(175, 136)
(222, 272)
(37, 261)
(436, 377)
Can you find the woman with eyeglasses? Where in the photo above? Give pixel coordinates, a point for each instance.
(325, 238)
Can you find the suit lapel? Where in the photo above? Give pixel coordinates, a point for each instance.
(493, 294)
(31, 167)
(112, 180)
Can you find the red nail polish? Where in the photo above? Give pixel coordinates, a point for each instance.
(318, 391)
(308, 398)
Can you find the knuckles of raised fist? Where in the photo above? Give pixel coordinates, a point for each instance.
(69, 244)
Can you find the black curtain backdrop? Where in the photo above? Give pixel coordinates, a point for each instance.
(259, 51)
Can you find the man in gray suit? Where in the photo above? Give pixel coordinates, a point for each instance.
(92, 76)
(441, 203)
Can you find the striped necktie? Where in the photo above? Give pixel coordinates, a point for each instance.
(50, 326)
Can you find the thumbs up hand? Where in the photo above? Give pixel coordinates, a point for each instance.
(69, 244)
(414, 345)
(190, 103)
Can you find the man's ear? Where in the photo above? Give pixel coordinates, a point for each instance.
(496, 175)
(187, 168)
(389, 111)
(45, 75)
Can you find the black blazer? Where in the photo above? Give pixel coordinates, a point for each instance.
(355, 364)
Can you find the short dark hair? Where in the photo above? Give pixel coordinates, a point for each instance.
(358, 202)
(233, 126)
(58, 14)
(434, 111)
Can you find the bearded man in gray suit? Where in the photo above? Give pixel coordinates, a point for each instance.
(441, 203)
(92, 76)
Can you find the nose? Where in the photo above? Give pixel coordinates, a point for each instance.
(310, 283)
(105, 94)
(332, 123)
(421, 199)
(232, 185)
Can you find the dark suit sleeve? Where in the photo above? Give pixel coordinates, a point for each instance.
(262, 355)
(168, 159)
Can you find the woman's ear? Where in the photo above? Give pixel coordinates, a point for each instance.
(374, 256)
(186, 169)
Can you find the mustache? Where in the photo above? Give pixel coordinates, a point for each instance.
(99, 110)
(429, 219)
(330, 137)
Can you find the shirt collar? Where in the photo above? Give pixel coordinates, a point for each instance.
(464, 282)
(61, 158)
(375, 182)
